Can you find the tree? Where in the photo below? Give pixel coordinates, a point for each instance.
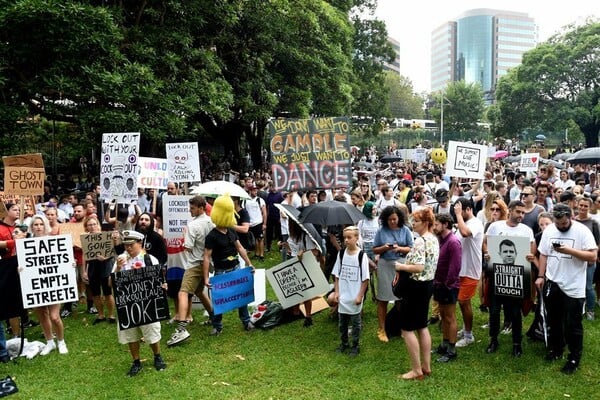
(557, 82)
(403, 102)
(463, 106)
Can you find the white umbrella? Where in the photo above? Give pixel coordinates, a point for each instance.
(218, 188)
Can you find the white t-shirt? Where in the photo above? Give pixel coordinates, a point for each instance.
(254, 207)
(351, 275)
(567, 271)
(470, 265)
(368, 228)
(194, 236)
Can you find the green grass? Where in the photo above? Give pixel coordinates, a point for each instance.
(292, 362)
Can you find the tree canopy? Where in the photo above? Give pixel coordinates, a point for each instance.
(557, 84)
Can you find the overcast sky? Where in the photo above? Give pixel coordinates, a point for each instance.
(411, 23)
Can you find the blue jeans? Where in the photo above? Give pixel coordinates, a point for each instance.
(590, 294)
(3, 351)
(217, 319)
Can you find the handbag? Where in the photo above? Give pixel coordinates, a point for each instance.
(400, 283)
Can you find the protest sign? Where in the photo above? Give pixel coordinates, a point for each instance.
(511, 272)
(24, 174)
(47, 270)
(97, 245)
(118, 166)
(529, 162)
(139, 296)
(466, 160)
(295, 281)
(232, 290)
(310, 153)
(419, 155)
(184, 162)
(153, 173)
(176, 215)
(73, 229)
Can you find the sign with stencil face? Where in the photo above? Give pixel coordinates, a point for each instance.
(466, 160)
(118, 166)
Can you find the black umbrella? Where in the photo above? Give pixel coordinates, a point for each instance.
(308, 228)
(332, 212)
(562, 156)
(512, 159)
(390, 158)
(591, 155)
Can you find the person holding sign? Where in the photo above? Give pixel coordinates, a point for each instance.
(135, 257)
(49, 316)
(96, 273)
(507, 253)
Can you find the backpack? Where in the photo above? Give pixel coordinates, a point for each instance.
(360, 256)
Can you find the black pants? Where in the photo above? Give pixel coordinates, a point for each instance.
(273, 231)
(512, 308)
(564, 318)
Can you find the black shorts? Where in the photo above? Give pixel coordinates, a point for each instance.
(257, 231)
(444, 296)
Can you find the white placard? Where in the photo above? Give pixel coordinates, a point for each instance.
(529, 162)
(184, 162)
(176, 215)
(295, 281)
(491, 151)
(153, 173)
(118, 167)
(420, 155)
(466, 160)
(47, 270)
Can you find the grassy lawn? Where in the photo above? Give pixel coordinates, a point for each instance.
(292, 362)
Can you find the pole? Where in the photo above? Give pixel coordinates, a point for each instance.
(442, 120)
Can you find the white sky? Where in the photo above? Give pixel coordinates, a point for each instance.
(411, 23)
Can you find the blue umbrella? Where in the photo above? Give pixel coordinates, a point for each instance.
(540, 137)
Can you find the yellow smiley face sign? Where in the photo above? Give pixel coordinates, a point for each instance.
(438, 156)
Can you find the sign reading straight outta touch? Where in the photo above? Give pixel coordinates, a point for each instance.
(511, 272)
(310, 153)
(139, 296)
(47, 270)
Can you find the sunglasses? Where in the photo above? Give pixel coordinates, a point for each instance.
(560, 214)
(526, 194)
(492, 209)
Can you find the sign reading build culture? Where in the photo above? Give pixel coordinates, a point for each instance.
(118, 167)
(310, 153)
(184, 162)
(139, 296)
(154, 173)
(24, 174)
(47, 270)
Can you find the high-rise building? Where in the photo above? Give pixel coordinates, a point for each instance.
(394, 65)
(481, 45)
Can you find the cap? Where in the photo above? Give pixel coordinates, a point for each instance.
(407, 182)
(441, 195)
(132, 237)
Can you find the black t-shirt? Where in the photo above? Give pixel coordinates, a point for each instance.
(242, 217)
(224, 252)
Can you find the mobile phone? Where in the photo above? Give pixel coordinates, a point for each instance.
(389, 245)
(556, 245)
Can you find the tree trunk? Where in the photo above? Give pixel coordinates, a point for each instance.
(590, 132)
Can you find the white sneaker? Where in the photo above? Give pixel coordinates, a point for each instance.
(178, 336)
(465, 341)
(50, 346)
(460, 334)
(62, 347)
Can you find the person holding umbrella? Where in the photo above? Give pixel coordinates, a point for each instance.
(392, 242)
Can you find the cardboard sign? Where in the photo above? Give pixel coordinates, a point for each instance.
(153, 173)
(466, 160)
(118, 166)
(529, 162)
(73, 229)
(97, 245)
(311, 153)
(232, 290)
(176, 215)
(296, 281)
(139, 296)
(184, 162)
(24, 174)
(511, 272)
(47, 270)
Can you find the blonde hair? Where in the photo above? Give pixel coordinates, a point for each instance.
(353, 229)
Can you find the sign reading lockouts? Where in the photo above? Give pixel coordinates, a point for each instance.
(232, 290)
(24, 174)
(184, 162)
(295, 281)
(154, 173)
(139, 296)
(310, 153)
(118, 166)
(97, 246)
(47, 270)
(466, 160)
(511, 272)
(176, 214)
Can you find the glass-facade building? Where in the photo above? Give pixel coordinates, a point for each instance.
(479, 47)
